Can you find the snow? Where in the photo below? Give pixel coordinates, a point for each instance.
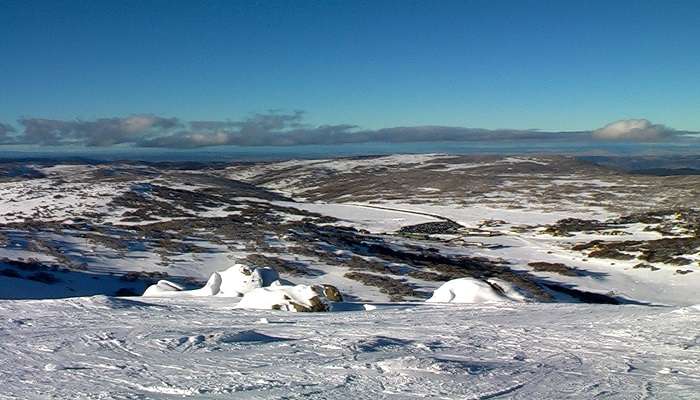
(64, 283)
(241, 279)
(658, 287)
(235, 281)
(249, 172)
(41, 199)
(599, 275)
(362, 216)
(470, 290)
(472, 215)
(293, 176)
(390, 216)
(509, 290)
(393, 160)
(588, 182)
(457, 167)
(516, 160)
(260, 288)
(286, 298)
(113, 348)
(169, 289)
(228, 339)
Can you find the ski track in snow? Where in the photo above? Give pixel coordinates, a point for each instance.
(101, 347)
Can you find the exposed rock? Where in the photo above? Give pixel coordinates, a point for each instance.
(666, 250)
(491, 223)
(332, 293)
(557, 268)
(647, 266)
(299, 298)
(433, 228)
(567, 226)
(281, 265)
(395, 288)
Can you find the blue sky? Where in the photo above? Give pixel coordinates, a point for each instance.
(552, 65)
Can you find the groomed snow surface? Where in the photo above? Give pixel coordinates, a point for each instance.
(223, 341)
(109, 348)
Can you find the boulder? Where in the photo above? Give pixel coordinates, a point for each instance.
(298, 298)
(332, 293)
(260, 288)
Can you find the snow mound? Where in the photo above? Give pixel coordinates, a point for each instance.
(241, 279)
(509, 290)
(170, 289)
(260, 288)
(299, 298)
(470, 290)
(233, 282)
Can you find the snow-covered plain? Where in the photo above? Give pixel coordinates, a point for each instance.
(107, 348)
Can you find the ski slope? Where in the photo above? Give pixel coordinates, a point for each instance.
(109, 348)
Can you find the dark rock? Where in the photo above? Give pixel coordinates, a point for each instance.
(557, 268)
(432, 228)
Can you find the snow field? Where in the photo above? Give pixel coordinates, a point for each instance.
(100, 347)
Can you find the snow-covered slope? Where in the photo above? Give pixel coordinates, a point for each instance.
(115, 228)
(528, 241)
(108, 348)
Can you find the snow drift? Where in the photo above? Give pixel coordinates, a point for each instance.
(241, 279)
(470, 290)
(171, 289)
(259, 288)
(233, 282)
(299, 298)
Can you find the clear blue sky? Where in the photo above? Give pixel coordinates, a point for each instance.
(556, 65)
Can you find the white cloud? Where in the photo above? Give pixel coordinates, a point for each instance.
(633, 129)
(288, 129)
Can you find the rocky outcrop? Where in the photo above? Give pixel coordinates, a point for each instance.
(258, 288)
(298, 298)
